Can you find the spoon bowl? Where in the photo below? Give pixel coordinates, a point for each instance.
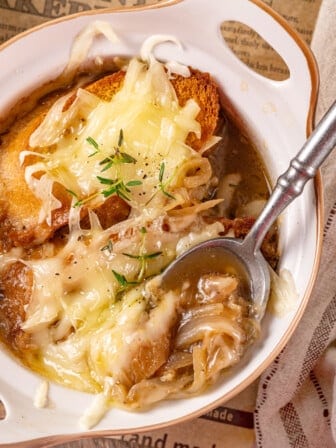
(225, 256)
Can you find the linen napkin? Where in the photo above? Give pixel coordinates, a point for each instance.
(296, 402)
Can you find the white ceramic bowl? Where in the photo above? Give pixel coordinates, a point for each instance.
(40, 54)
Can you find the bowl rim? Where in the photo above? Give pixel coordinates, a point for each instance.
(319, 209)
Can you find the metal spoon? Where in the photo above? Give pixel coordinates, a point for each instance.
(216, 255)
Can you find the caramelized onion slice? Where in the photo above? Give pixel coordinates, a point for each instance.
(195, 329)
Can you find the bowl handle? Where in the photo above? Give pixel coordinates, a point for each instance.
(280, 35)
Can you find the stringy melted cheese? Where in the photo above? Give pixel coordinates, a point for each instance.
(154, 129)
(83, 320)
(87, 327)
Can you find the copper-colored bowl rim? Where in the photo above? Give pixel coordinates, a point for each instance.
(314, 75)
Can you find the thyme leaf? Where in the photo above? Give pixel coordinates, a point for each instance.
(106, 181)
(75, 195)
(108, 163)
(121, 279)
(133, 183)
(161, 172)
(93, 143)
(152, 255)
(143, 256)
(79, 202)
(121, 138)
(166, 193)
(126, 158)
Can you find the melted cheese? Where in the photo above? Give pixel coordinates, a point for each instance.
(90, 311)
(154, 129)
(85, 325)
(283, 295)
(41, 395)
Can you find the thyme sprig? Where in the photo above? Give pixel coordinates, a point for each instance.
(162, 186)
(118, 187)
(143, 256)
(117, 157)
(114, 186)
(83, 201)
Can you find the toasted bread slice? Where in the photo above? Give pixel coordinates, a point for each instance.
(199, 86)
(16, 286)
(241, 227)
(19, 208)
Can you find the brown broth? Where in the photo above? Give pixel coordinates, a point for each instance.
(240, 156)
